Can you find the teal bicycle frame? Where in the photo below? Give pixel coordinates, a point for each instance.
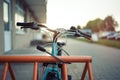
(54, 66)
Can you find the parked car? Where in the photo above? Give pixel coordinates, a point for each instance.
(105, 35)
(117, 36)
(111, 36)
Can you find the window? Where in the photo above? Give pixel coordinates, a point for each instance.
(6, 16)
(19, 17)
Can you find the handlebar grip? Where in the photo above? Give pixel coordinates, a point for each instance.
(41, 48)
(31, 25)
(86, 35)
(25, 24)
(79, 33)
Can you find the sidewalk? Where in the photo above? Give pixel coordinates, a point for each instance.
(24, 51)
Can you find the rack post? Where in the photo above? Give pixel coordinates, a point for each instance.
(35, 73)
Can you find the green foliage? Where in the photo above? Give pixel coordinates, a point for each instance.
(108, 24)
(111, 43)
(78, 27)
(94, 25)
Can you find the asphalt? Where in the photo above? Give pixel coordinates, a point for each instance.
(105, 63)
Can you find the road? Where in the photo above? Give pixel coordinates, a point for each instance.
(105, 60)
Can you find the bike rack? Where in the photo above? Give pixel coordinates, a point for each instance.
(37, 59)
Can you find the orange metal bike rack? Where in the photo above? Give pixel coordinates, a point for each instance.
(39, 59)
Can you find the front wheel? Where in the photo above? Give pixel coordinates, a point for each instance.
(52, 76)
(69, 77)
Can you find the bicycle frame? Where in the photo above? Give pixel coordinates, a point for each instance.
(54, 67)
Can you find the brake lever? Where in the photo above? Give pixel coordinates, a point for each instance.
(44, 50)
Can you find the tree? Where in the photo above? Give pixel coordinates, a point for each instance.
(78, 27)
(95, 25)
(110, 23)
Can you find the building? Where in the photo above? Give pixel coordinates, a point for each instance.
(13, 11)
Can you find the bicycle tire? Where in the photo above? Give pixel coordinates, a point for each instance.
(69, 77)
(51, 76)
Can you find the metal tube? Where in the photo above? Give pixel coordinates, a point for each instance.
(35, 73)
(90, 71)
(11, 71)
(84, 71)
(45, 59)
(64, 72)
(4, 74)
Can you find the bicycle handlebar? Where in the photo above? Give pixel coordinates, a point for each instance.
(31, 25)
(36, 26)
(79, 33)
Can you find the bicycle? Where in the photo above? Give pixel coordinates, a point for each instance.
(52, 71)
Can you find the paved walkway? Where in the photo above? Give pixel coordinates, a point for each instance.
(106, 61)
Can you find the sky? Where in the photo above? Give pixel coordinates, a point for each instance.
(65, 13)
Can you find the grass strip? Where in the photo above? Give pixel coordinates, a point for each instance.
(110, 43)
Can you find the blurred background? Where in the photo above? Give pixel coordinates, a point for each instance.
(98, 18)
